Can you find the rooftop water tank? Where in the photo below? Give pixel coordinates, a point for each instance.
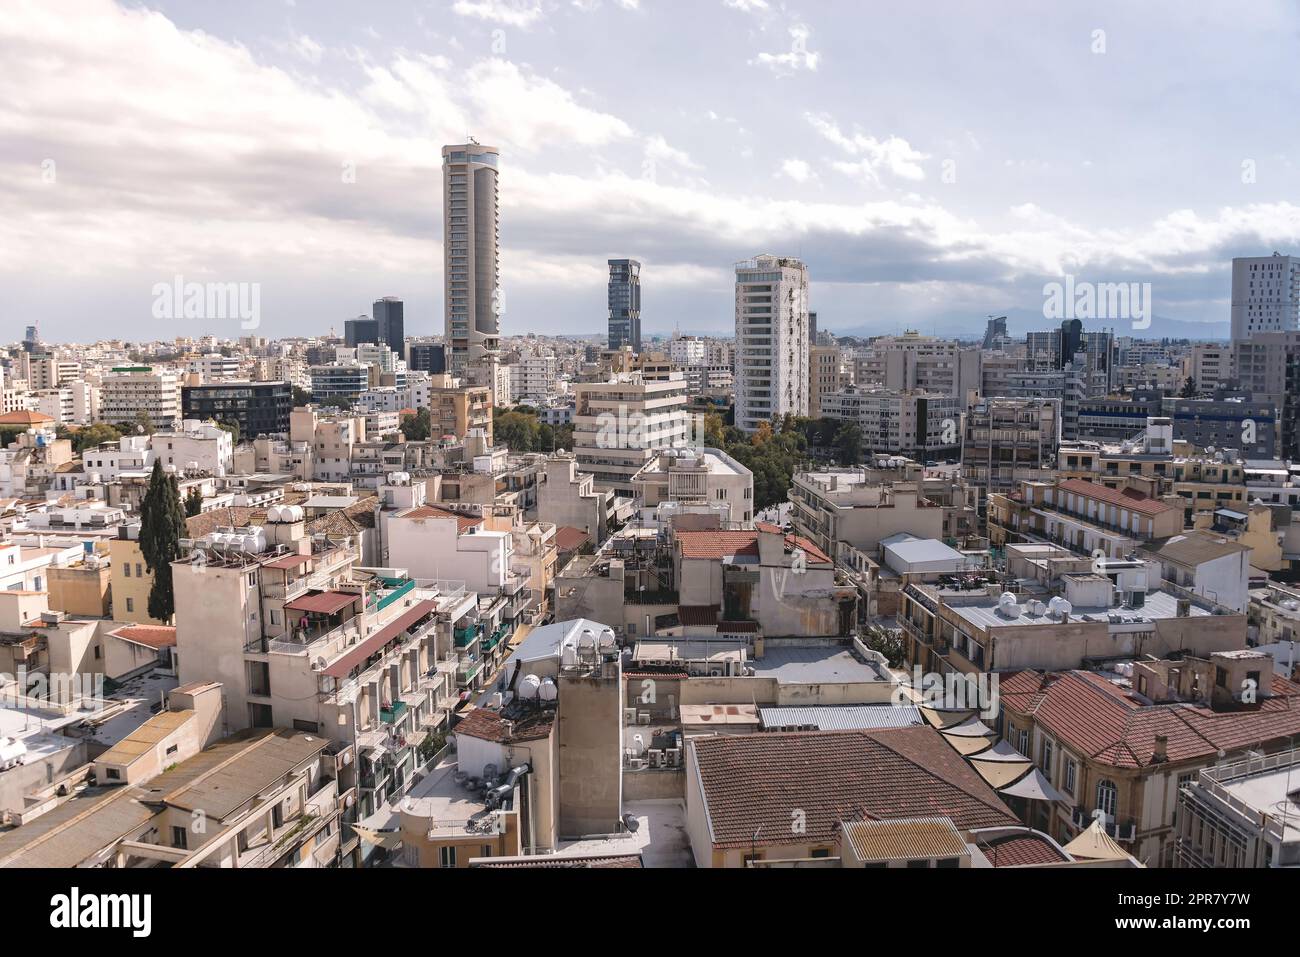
(528, 687)
(548, 690)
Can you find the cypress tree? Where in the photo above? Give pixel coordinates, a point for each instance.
(162, 524)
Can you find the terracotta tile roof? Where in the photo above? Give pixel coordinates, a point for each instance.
(489, 725)
(1125, 498)
(1021, 850)
(343, 521)
(1091, 715)
(463, 522)
(754, 781)
(568, 538)
(697, 614)
(723, 543)
(25, 418)
(154, 636)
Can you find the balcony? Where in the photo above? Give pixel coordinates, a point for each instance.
(1120, 830)
(393, 713)
(464, 637)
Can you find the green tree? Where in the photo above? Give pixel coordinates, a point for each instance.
(162, 524)
(1189, 389)
(233, 429)
(301, 396)
(92, 436)
(848, 443)
(418, 427)
(517, 431)
(193, 501)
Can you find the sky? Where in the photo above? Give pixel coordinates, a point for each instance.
(931, 164)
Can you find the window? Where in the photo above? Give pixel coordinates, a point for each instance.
(180, 837)
(924, 863)
(1107, 798)
(446, 857)
(1022, 737)
(127, 568)
(130, 604)
(1070, 770)
(113, 774)
(1047, 758)
(487, 851)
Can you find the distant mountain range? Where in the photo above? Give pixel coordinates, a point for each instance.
(1020, 321)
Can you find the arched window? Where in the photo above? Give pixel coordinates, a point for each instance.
(1107, 798)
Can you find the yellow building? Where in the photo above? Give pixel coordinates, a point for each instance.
(131, 581)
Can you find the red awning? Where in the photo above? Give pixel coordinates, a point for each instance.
(322, 602)
(360, 652)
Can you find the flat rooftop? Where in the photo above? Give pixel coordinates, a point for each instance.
(816, 665)
(1159, 605)
(446, 804)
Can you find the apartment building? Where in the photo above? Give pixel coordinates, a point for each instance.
(772, 369)
(1209, 366)
(130, 394)
(915, 363)
(923, 425)
(698, 477)
(458, 408)
(1007, 441)
(1083, 516)
(828, 376)
(1265, 295)
(302, 637)
(339, 381)
(258, 408)
(621, 425)
(533, 378)
(331, 437)
(569, 498)
(471, 254)
(971, 623)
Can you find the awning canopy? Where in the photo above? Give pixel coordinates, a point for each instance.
(1033, 787)
(966, 745)
(970, 728)
(322, 602)
(944, 719)
(1095, 844)
(361, 651)
(1002, 751)
(999, 774)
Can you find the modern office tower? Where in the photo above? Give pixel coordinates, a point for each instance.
(625, 304)
(1265, 295)
(426, 357)
(1268, 368)
(995, 333)
(771, 340)
(359, 330)
(471, 248)
(260, 408)
(389, 322)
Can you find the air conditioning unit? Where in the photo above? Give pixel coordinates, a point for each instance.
(673, 757)
(636, 764)
(643, 717)
(656, 757)
(629, 715)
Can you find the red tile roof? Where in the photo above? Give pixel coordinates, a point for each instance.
(154, 636)
(436, 511)
(568, 538)
(717, 544)
(1129, 498)
(1021, 850)
(1090, 714)
(697, 614)
(754, 781)
(489, 725)
(26, 418)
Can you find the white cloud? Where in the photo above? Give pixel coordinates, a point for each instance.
(746, 6)
(798, 170)
(512, 13)
(893, 155)
(798, 57)
(307, 48)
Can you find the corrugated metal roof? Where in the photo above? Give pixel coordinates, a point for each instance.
(908, 839)
(842, 717)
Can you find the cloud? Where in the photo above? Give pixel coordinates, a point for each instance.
(798, 170)
(746, 6)
(798, 57)
(894, 154)
(308, 49)
(512, 13)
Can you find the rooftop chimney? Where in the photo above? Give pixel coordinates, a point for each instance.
(1161, 753)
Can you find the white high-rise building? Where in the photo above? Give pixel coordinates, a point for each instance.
(471, 247)
(1265, 295)
(772, 374)
(131, 393)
